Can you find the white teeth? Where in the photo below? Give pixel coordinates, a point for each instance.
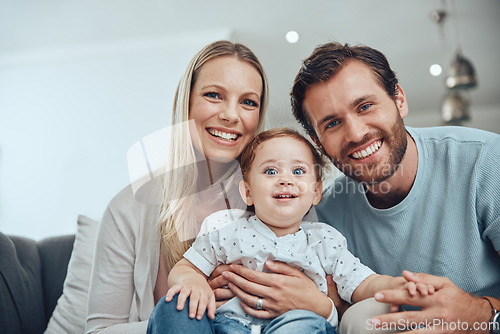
(285, 196)
(223, 135)
(367, 151)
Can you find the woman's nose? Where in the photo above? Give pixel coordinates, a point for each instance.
(229, 113)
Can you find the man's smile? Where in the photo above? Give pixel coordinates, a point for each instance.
(364, 153)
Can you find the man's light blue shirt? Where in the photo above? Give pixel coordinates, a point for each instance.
(449, 223)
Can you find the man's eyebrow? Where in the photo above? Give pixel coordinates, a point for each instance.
(362, 99)
(352, 105)
(326, 119)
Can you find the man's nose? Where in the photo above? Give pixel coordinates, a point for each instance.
(355, 129)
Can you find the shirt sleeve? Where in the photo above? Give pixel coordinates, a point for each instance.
(346, 269)
(207, 251)
(202, 252)
(487, 190)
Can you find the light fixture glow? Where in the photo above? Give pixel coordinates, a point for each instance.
(292, 37)
(436, 69)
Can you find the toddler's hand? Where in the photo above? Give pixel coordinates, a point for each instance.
(423, 289)
(201, 298)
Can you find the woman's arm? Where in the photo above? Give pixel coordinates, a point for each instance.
(112, 281)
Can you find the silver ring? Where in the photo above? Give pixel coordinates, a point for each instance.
(260, 301)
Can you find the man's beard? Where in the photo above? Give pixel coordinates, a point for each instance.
(371, 174)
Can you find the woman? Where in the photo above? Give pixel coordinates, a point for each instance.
(219, 106)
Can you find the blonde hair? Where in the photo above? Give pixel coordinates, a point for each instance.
(177, 217)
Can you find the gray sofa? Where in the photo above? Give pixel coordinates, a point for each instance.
(32, 274)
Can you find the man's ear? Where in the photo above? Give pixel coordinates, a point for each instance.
(245, 193)
(401, 102)
(317, 192)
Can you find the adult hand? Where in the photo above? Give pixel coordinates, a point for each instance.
(219, 285)
(448, 310)
(285, 289)
(340, 304)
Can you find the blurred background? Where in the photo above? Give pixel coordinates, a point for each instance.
(82, 81)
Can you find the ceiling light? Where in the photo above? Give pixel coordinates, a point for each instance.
(461, 73)
(436, 69)
(292, 37)
(455, 109)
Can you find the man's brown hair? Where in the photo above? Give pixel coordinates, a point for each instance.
(327, 60)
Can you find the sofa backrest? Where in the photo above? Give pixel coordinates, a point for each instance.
(55, 253)
(21, 295)
(31, 275)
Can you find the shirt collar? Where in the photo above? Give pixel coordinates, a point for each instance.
(263, 229)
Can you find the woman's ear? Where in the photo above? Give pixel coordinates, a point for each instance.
(317, 192)
(245, 193)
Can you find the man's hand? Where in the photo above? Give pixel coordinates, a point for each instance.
(219, 285)
(285, 289)
(448, 310)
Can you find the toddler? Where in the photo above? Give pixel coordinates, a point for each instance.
(282, 179)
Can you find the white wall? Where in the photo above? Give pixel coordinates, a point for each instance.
(68, 116)
(482, 117)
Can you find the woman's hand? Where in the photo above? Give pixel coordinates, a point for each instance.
(285, 289)
(219, 285)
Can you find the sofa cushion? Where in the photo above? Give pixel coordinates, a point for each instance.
(55, 253)
(21, 297)
(71, 310)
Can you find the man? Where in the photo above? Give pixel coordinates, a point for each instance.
(426, 200)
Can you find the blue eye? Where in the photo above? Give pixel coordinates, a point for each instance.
(271, 171)
(212, 95)
(298, 171)
(365, 107)
(332, 124)
(250, 103)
